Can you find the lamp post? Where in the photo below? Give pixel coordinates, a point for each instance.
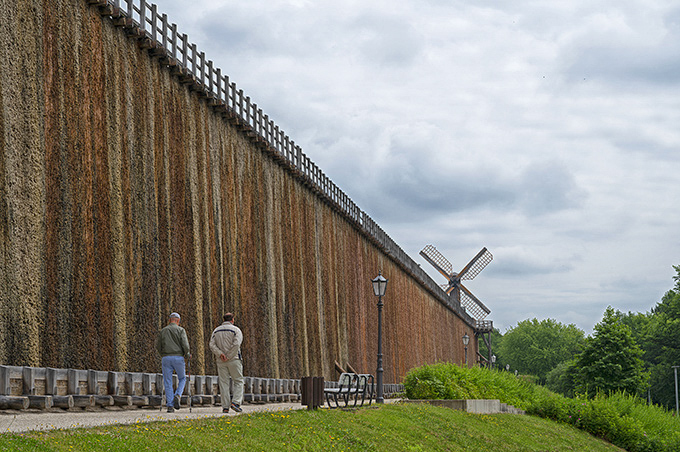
(466, 341)
(493, 361)
(379, 286)
(677, 411)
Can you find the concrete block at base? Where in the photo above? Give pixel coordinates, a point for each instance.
(482, 406)
(477, 406)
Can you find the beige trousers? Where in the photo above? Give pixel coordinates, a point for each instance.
(226, 371)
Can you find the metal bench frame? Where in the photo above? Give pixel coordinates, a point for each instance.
(351, 385)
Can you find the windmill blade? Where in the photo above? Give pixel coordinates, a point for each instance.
(437, 260)
(472, 305)
(476, 265)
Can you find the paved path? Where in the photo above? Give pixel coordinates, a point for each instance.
(22, 421)
(75, 418)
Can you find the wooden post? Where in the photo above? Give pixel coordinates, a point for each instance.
(142, 16)
(159, 383)
(202, 69)
(164, 31)
(174, 41)
(92, 386)
(154, 22)
(129, 383)
(73, 384)
(146, 384)
(219, 86)
(185, 50)
(51, 381)
(209, 385)
(112, 383)
(210, 77)
(27, 375)
(4, 381)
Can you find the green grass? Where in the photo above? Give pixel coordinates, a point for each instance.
(619, 418)
(398, 427)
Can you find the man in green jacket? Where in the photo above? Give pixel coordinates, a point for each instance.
(173, 345)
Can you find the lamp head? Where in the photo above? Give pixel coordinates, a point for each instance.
(379, 285)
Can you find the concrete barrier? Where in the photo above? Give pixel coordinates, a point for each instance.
(477, 406)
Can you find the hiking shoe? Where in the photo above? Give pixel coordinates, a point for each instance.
(225, 410)
(236, 407)
(175, 402)
(171, 409)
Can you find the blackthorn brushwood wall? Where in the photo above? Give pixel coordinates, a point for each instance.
(125, 196)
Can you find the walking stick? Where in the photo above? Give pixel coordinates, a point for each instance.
(160, 405)
(189, 379)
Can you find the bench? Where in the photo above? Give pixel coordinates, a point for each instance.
(350, 386)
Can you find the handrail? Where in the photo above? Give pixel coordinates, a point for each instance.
(168, 43)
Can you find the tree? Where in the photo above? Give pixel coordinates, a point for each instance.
(536, 347)
(560, 378)
(611, 360)
(662, 345)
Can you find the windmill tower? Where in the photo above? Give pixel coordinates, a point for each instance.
(459, 292)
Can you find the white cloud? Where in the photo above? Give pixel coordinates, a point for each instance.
(544, 131)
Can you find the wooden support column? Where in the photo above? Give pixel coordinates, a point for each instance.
(73, 383)
(4, 381)
(51, 381)
(28, 377)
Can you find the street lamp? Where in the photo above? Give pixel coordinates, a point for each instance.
(677, 412)
(493, 360)
(466, 341)
(379, 286)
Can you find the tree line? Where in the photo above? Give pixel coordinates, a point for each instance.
(631, 352)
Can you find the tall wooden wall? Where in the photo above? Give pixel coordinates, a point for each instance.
(124, 197)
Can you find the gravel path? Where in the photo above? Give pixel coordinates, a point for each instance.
(22, 421)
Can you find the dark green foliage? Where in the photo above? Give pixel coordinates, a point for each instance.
(449, 381)
(560, 378)
(536, 347)
(611, 360)
(623, 419)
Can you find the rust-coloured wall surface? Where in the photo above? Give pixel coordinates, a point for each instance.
(124, 197)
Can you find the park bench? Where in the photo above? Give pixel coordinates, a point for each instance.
(350, 387)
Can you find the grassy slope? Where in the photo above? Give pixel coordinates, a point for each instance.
(408, 427)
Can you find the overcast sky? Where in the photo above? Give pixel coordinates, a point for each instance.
(548, 132)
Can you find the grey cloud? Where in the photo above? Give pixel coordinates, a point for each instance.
(387, 40)
(649, 62)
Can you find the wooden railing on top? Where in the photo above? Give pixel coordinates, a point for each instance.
(162, 39)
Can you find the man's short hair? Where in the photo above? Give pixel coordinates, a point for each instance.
(175, 315)
(228, 317)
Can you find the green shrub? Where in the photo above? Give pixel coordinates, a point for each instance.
(622, 419)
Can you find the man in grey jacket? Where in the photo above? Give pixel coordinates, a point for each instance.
(173, 346)
(225, 344)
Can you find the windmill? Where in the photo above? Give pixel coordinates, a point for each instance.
(454, 287)
(472, 305)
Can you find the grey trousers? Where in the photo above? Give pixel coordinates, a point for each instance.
(230, 370)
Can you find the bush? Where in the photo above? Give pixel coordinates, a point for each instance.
(622, 419)
(449, 381)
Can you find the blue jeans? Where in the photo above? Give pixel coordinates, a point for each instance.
(170, 363)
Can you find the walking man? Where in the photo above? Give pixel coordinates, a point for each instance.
(225, 344)
(173, 346)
